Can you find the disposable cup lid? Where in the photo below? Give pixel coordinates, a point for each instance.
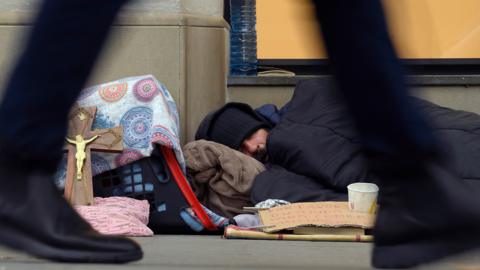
(363, 187)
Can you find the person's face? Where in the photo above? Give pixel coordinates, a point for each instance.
(256, 145)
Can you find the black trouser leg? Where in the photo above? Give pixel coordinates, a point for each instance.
(425, 212)
(371, 78)
(60, 52)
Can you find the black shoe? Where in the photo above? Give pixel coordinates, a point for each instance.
(36, 219)
(426, 213)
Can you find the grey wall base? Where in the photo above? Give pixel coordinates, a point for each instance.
(458, 92)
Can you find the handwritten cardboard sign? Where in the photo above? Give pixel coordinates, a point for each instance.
(322, 214)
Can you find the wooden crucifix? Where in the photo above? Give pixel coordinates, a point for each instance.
(81, 140)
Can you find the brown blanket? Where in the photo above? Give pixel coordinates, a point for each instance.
(221, 177)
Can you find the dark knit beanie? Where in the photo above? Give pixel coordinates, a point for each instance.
(231, 125)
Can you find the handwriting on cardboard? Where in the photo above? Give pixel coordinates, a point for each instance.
(322, 214)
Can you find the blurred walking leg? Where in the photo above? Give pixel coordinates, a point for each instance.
(59, 54)
(420, 199)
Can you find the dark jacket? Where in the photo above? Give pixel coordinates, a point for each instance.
(316, 152)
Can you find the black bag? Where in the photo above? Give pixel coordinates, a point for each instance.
(159, 180)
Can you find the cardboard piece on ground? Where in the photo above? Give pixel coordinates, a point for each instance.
(321, 214)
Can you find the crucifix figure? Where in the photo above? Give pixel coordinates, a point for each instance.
(78, 185)
(80, 156)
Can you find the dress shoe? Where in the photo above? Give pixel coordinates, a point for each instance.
(425, 213)
(36, 219)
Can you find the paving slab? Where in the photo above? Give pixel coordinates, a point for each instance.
(213, 252)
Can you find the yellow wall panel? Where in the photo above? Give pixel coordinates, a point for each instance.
(420, 29)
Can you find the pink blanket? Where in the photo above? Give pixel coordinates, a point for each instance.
(118, 216)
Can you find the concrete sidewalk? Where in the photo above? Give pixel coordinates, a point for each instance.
(213, 252)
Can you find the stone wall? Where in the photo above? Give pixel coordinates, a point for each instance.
(183, 43)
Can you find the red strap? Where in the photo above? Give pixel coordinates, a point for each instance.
(185, 188)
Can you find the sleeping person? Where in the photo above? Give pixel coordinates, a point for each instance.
(312, 150)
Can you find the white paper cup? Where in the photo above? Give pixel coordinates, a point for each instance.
(362, 197)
